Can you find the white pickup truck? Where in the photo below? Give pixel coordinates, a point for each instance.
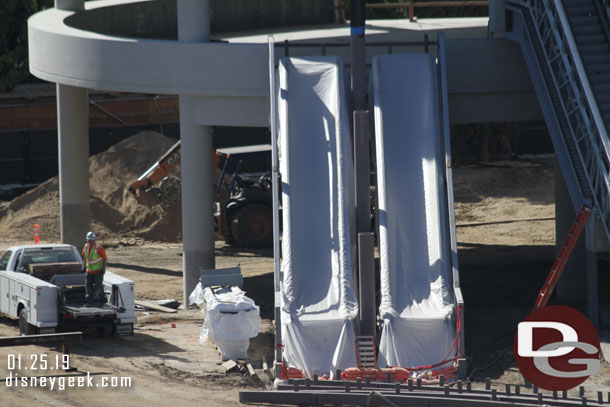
(44, 286)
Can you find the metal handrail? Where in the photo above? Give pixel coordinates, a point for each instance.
(346, 45)
(606, 6)
(602, 164)
(603, 12)
(576, 100)
(273, 122)
(446, 135)
(411, 5)
(286, 45)
(582, 76)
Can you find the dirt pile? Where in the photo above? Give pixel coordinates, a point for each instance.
(116, 215)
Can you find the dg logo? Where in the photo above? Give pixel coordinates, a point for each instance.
(557, 348)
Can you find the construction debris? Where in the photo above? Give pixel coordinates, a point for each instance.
(229, 365)
(251, 370)
(155, 307)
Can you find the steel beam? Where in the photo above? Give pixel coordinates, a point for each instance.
(373, 398)
(61, 338)
(366, 268)
(395, 394)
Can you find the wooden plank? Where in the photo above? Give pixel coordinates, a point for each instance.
(229, 365)
(251, 370)
(265, 366)
(151, 305)
(42, 270)
(267, 370)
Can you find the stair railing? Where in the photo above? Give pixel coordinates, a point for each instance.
(576, 101)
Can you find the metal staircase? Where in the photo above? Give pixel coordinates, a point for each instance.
(566, 48)
(592, 39)
(365, 351)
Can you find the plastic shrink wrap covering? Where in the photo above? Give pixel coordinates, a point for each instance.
(417, 303)
(230, 319)
(318, 303)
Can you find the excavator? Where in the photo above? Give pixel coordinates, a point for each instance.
(243, 207)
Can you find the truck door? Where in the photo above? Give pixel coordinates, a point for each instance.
(4, 284)
(12, 298)
(4, 294)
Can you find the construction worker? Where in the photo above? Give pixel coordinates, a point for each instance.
(95, 259)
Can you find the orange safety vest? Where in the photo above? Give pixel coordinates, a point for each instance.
(93, 261)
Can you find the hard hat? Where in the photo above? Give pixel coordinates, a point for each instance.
(90, 236)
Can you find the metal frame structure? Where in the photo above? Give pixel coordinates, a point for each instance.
(411, 5)
(42, 339)
(444, 119)
(577, 126)
(276, 210)
(412, 394)
(446, 145)
(426, 43)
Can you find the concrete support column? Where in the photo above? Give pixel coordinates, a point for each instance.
(197, 153)
(197, 198)
(193, 20)
(73, 149)
(572, 287)
(74, 5)
(497, 17)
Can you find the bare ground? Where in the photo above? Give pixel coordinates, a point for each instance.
(505, 217)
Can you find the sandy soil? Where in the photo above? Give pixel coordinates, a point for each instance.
(505, 217)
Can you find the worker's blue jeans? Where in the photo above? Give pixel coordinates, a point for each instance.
(95, 287)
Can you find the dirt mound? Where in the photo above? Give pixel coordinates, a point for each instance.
(116, 215)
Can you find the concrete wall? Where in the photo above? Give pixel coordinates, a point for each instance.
(144, 19)
(488, 80)
(158, 19)
(238, 15)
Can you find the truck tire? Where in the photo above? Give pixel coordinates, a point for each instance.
(25, 328)
(252, 226)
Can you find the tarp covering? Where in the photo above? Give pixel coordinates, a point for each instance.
(230, 319)
(417, 303)
(317, 302)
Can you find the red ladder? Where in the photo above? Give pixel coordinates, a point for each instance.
(562, 257)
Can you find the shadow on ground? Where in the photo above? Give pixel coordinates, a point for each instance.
(260, 289)
(500, 285)
(151, 270)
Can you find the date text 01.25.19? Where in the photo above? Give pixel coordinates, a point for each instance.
(36, 361)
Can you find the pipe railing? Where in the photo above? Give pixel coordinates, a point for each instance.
(273, 122)
(411, 5)
(446, 143)
(389, 45)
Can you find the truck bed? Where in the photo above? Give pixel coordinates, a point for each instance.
(74, 303)
(84, 310)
